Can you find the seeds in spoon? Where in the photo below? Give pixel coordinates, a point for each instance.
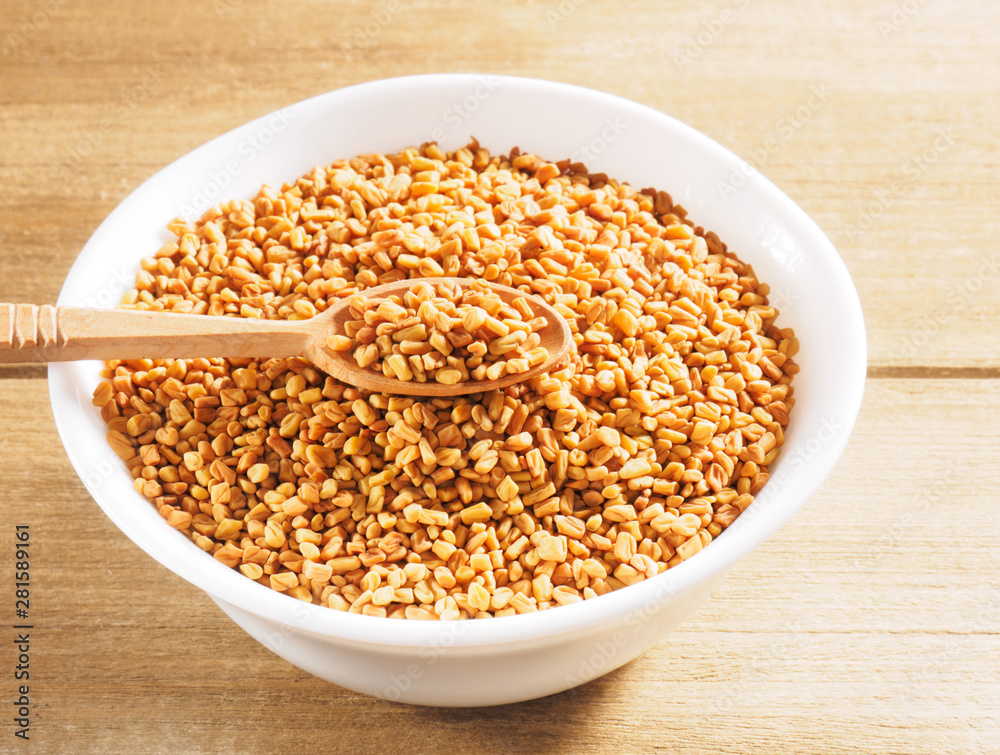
(444, 332)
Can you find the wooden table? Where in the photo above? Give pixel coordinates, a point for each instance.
(871, 623)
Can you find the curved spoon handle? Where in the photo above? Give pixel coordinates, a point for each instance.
(29, 333)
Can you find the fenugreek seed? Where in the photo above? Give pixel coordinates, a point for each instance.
(413, 333)
(444, 577)
(628, 575)
(416, 613)
(317, 572)
(635, 468)
(689, 547)
(309, 550)
(506, 343)
(443, 549)
(448, 457)
(258, 473)
(432, 516)
(449, 610)
(625, 547)
(339, 343)
(481, 512)
(686, 525)
(507, 490)
(473, 319)
(366, 355)
(398, 367)
(193, 461)
(353, 446)
(552, 548)
(479, 598)
(228, 529)
(391, 312)
(363, 412)
(608, 436)
(344, 564)
(515, 366)
(253, 571)
(180, 520)
(284, 581)
(383, 596)
(519, 442)
(594, 568)
(702, 432)
(311, 396)
(274, 535)
(620, 513)
(565, 595)
(415, 572)
(448, 377)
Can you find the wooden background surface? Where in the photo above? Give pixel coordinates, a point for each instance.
(871, 623)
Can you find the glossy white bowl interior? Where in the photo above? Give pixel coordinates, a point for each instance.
(516, 658)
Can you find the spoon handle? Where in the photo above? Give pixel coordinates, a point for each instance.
(29, 333)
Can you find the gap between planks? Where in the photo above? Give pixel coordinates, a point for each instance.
(876, 372)
(23, 371)
(932, 372)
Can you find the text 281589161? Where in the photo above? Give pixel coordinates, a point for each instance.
(22, 638)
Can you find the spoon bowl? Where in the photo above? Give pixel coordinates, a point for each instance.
(555, 339)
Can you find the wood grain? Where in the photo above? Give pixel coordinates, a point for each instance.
(85, 122)
(29, 333)
(870, 623)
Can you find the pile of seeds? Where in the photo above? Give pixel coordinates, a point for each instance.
(654, 437)
(446, 333)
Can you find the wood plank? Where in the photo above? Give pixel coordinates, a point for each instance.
(869, 623)
(112, 113)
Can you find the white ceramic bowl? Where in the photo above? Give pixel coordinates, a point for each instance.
(521, 657)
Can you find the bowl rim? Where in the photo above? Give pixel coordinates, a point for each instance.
(643, 599)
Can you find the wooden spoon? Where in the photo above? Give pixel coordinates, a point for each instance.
(29, 333)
